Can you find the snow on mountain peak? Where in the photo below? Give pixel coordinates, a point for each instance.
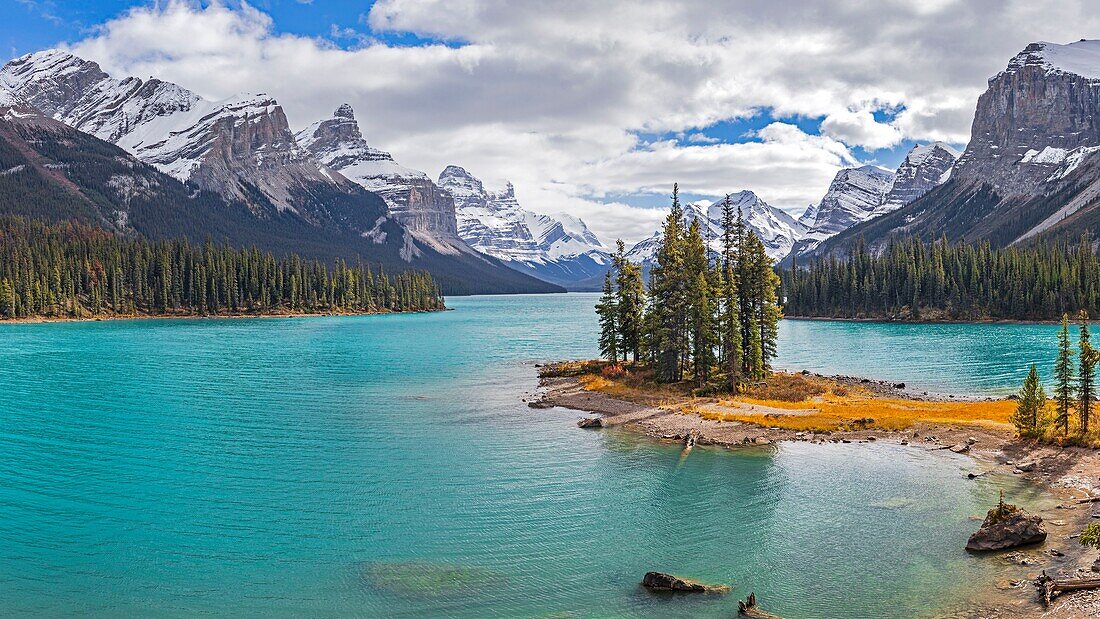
(494, 223)
(338, 143)
(775, 228)
(1077, 58)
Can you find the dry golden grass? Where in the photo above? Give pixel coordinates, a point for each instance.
(863, 412)
(815, 404)
(789, 388)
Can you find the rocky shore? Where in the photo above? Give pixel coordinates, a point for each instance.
(1069, 473)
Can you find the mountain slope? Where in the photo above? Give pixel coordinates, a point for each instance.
(852, 197)
(559, 249)
(50, 171)
(1030, 169)
(413, 198)
(243, 151)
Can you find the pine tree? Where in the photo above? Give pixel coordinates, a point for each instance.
(607, 310)
(1032, 402)
(1063, 376)
(1086, 375)
(699, 303)
(667, 297)
(631, 303)
(729, 303)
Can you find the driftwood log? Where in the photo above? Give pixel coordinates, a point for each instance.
(1053, 587)
(747, 608)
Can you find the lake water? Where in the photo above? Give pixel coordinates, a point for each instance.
(387, 466)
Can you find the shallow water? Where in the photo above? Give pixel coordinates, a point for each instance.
(387, 466)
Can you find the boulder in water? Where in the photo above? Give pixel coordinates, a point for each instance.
(590, 422)
(1007, 526)
(659, 581)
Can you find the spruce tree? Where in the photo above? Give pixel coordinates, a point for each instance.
(1086, 375)
(700, 307)
(1063, 376)
(631, 303)
(1032, 402)
(607, 309)
(730, 304)
(667, 298)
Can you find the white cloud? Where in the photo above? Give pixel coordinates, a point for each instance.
(859, 128)
(552, 94)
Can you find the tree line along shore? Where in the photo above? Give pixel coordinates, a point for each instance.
(940, 281)
(74, 271)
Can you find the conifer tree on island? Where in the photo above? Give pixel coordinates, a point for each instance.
(1064, 392)
(607, 309)
(630, 300)
(1086, 375)
(1032, 403)
(705, 316)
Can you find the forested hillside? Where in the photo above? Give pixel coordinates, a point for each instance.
(53, 172)
(71, 270)
(913, 280)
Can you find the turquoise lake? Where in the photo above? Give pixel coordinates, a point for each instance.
(388, 466)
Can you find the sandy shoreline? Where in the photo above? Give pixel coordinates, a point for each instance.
(1069, 474)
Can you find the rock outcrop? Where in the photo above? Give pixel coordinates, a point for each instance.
(413, 198)
(659, 581)
(1007, 526)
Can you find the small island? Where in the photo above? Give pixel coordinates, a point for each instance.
(689, 359)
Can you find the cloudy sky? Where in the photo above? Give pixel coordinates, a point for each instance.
(593, 107)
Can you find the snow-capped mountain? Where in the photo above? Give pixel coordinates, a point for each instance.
(235, 147)
(559, 249)
(243, 169)
(861, 194)
(411, 195)
(852, 197)
(924, 167)
(1030, 168)
(776, 229)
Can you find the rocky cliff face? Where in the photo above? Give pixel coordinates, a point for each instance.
(1041, 110)
(413, 198)
(925, 167)
(1030, 168)
(241, 148)
(559, 248)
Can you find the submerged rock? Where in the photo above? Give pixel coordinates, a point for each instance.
(1007, 526)
(659, 581)
(424, 578)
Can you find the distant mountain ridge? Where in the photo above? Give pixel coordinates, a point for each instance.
(775, 228)
(555, 248)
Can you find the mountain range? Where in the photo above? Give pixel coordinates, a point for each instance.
(257, 183)
(153, 158)
(1030, 169)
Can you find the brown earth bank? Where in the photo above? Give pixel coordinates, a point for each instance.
(854, 410)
